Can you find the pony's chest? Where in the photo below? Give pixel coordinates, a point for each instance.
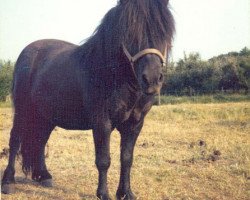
(121, 112)
(140, 111)
(134, 112)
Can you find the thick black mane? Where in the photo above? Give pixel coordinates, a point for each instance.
(137, 24)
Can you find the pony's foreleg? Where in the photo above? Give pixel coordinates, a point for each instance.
(8, 177)
(102, 152)
(129, 136)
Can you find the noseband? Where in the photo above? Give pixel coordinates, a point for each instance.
(144, 52)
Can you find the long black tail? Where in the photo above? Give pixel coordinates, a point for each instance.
(28, 154)
(21, 96)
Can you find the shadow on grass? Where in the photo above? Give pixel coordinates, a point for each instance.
(46, 192)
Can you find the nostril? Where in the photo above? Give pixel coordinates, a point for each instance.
(160, 78)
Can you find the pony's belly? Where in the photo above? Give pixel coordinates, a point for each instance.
(73, 119)
(73, 125)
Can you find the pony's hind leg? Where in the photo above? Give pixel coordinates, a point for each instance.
(40, 172)
(14, 144)
(33, 150)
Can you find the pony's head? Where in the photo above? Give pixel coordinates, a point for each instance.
(146, 67)
(147, 32)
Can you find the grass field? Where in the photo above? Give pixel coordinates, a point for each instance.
(185, 151)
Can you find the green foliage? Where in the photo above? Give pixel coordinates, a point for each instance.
(193, 76)
(6, 71)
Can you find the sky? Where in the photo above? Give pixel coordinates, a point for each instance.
(210, 27)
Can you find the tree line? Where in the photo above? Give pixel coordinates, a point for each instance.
(188, 76)
(193, 76)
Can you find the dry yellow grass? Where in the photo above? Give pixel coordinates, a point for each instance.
(186, 151)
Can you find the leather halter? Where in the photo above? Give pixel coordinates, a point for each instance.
(133, 59)
(144, 52)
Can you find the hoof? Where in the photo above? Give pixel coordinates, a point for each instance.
(46, 183)
(125, 196)
(8, 188)
(104, 197)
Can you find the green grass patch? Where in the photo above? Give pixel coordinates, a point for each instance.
(5, 104)
(170, 99)
(216, 98)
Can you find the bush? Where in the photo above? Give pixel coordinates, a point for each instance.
(193, 76)
(6, 73)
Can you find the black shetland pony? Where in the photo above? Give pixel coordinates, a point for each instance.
(97, 86)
